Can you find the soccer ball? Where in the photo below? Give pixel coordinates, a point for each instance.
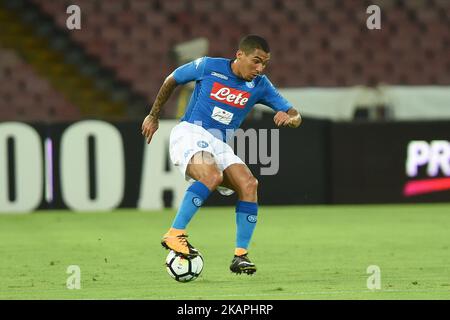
(183, 269)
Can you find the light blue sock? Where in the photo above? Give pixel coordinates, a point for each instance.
(246, 213)
(193, 199)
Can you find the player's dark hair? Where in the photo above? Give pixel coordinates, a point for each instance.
(250, 43)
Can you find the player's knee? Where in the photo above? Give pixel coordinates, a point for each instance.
(217, 178)
(212, 179)
(251, 186)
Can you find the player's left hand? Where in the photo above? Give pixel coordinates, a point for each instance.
(282, 119)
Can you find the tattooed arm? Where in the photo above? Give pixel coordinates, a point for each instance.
(163, 95)
(151, 122)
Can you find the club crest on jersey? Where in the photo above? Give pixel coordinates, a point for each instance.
(230, 96)
(250, 84)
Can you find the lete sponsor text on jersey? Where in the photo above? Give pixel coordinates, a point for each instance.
(232, 97)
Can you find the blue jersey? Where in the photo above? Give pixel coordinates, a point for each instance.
(221, 100)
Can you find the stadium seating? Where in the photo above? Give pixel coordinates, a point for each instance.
(26, 96)
(314, 43)
(306, 36)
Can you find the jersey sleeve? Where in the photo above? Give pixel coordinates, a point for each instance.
(191, 71)
(272, 98)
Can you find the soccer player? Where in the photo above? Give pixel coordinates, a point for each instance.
(225, 92)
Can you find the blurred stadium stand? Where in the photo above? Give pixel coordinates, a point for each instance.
(114, 66)
(325, 61)
(26, 96)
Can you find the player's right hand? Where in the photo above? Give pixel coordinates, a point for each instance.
(149, 127)
(281, 119)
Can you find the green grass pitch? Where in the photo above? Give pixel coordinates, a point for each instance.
(302, 252)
